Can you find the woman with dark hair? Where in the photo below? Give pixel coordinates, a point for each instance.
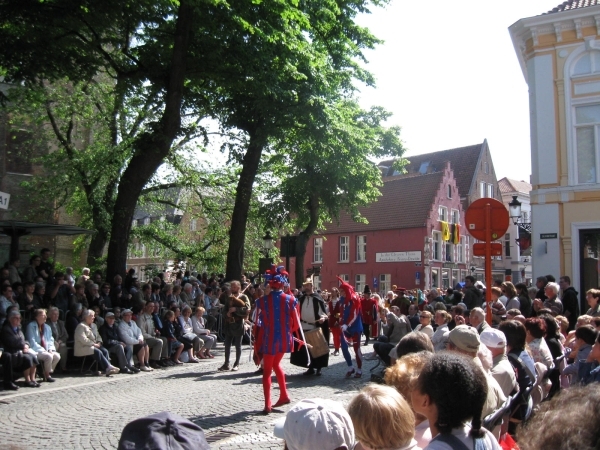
(552, 339)
(535, 331)
(451, 391)
(524, 299)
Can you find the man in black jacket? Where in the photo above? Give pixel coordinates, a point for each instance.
(472, 296)
(570, 301)
(113, 344)
(313, 315)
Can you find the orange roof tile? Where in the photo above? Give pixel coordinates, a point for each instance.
(507, 185)
(405, 203)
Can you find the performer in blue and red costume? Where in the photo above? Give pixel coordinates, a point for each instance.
(352, 328)
(276, 322)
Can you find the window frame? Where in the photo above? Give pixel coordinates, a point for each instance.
(345, 246)
(360, 280)
(436, 242)
(318, 250)
(442, 214)
(361, 248)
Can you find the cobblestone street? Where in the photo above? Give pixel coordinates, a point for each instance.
(86, 412)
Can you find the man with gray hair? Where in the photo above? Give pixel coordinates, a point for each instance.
(395, 327)
(60, 336)
(186, 295)
(465, 340)
(131, 334)
(477, 320)
(156, 342)
(502, 370)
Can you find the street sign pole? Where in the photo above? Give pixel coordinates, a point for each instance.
(487, 221)
(488, 263)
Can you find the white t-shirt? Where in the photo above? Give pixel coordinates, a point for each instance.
(490, 442)
(423, 434)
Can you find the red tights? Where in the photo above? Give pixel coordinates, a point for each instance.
(273, 363)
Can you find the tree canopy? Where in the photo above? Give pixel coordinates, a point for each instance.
(261, 69)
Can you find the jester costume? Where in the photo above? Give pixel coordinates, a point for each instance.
(351, 325)
(277, 318)
(369, 308)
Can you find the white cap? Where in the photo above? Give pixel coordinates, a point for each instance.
(316, 424)
(493, 338)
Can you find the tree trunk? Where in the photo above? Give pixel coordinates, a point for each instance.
(96, 248)
(302, 239)
(239, 218)
(151, 148)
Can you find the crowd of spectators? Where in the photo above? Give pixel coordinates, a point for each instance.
(118, 326)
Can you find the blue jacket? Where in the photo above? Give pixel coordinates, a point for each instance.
(589, 372)
(32, 333)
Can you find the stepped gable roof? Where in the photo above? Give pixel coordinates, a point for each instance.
(507, 185)
(405, 203)
(573, 4)
(463, 162)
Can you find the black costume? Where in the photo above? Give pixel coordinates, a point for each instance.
(299, 356)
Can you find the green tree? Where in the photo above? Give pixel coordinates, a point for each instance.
(327, 170)
(239, 61)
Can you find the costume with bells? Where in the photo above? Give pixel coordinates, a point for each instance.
(351, 327)
(277, 317)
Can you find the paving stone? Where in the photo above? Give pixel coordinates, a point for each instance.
(84, 412)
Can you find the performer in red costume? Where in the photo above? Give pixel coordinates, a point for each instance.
(277, 317)
(335, 318)
(352, 328)
(369, 309)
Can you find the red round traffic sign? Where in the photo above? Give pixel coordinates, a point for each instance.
(475, 219)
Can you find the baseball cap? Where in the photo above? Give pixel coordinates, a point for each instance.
(109, 314)
(465, 338)
(316, 424)
(163, 430)
(493, 338)
(126, 311)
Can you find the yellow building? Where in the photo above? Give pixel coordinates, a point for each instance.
(559, 53)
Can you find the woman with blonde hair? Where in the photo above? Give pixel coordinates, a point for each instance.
(403, 376)
(425, 325)
(203, 333)
(440, 337)
(382, 419)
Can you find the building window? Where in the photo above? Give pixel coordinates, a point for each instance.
(361, 248)
(435, 277)
(345, 277)
(436, 251)
(142, 250)
(147, 221)
(449, 252)
(490, 188)
(317, 282)
(318, 250)
(587, 127)
(482, 190)
(455, 216)
(359, 285)
(193, 224)
(385, 283)
(486, 167)
(460, 251)
(344, 248)
(133, 223)
(449, 191)
(507, 245)
(443, 214)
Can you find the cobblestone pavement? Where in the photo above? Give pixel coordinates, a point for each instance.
(89, 413)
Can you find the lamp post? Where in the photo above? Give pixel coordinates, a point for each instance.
(267, 243)
(514, 209)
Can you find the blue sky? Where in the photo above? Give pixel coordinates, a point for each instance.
(449, 73)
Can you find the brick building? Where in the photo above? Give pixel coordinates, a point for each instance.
(403, 243)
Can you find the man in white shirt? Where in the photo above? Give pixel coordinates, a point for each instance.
(156, 343)
(130, 333)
